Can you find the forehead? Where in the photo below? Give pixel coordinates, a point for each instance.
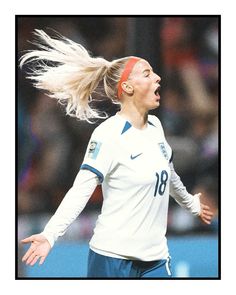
(140, 66)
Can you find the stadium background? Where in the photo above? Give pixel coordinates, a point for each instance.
(184, 52)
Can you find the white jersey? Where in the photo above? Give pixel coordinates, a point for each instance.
(133, 167)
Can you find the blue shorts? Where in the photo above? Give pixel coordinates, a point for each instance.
(100, 266)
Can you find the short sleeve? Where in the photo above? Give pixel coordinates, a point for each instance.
(98, 158)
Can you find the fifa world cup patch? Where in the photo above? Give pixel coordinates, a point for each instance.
(93, 150)
(163, 150)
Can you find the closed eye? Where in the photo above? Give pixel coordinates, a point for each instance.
(146, 73)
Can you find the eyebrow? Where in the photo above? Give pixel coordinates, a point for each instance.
(147, 70)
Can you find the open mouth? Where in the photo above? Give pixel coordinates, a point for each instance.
(157, 91)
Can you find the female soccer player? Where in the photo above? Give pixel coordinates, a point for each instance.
(127, 153)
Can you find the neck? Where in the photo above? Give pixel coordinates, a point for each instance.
(135, 116)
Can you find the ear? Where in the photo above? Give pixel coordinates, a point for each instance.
(127, 88)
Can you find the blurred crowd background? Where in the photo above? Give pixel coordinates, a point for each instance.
(51, 146)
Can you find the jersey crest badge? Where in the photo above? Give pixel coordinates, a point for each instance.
(93, 150)
(163, 150)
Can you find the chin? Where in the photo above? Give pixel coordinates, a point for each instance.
(154, 106)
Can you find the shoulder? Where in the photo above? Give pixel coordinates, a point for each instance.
(153, 120)
(109, 128)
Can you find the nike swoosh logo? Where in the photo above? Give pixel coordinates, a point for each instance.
(134, 157)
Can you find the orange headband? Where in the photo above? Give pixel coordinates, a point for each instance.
(127, 70)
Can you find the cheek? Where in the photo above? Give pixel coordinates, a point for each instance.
(143, 87)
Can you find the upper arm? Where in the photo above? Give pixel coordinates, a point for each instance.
(99, 155)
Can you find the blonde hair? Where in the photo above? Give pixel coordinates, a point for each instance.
(67, 72)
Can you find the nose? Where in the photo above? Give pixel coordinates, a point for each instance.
(157, 78)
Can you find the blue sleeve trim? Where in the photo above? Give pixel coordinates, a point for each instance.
(90, 168)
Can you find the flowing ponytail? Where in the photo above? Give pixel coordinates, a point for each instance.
(66, 71)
